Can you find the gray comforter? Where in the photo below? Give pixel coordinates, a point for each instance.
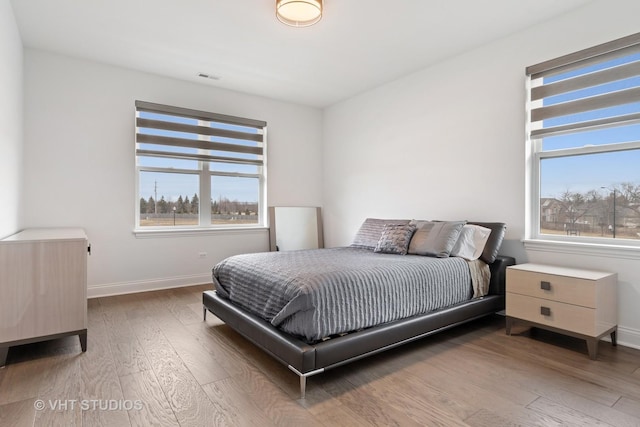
(322, 292)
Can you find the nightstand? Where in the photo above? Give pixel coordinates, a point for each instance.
(574, 302)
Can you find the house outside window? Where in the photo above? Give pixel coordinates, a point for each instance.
(583, 132)
(198, 170)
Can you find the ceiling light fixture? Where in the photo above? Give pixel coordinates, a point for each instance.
(299, 13)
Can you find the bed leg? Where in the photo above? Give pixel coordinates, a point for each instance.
(303, 379)
(204, 313)
(303, 386)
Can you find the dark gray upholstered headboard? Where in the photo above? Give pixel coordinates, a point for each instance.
(498, 274)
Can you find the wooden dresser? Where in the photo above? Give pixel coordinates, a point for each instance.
(575, 302)
(43, 287)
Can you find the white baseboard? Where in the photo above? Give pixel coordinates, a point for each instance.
(628, 337)
(110, 289)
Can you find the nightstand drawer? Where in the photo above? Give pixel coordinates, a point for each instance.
(560, 315)
(576, 291)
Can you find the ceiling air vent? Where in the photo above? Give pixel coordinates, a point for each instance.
(209, 76)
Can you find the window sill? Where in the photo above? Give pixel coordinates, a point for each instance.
(187, 232)
(583, 248)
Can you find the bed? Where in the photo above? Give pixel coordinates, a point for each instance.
(314, 310)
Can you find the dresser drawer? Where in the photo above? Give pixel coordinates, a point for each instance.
(576, 291)
(565, 316)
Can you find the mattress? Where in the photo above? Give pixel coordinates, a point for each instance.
(319, 293)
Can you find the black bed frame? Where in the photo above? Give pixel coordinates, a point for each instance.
(311, 359)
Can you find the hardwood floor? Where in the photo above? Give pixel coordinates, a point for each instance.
(152, 361)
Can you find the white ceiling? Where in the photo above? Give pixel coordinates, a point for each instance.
(358, 44)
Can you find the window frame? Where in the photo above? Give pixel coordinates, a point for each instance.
(204, 173)
(534, 239)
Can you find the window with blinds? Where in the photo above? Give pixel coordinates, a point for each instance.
(583, 133)
(197, 169)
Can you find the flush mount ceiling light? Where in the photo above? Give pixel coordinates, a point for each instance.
(299, 13)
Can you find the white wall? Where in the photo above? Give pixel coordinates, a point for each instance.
(79, 142)
(448, 143)
(10, 122)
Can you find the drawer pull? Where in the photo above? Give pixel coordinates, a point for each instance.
(545, 286)
(545, 311)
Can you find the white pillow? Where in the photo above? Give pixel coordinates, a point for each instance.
(471, 242)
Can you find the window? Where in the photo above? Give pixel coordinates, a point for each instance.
(583, 133)
(198, 170)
